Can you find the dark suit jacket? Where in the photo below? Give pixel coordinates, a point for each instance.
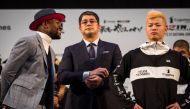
(74, 62)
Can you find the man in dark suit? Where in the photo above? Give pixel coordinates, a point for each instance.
(85, 66)
(27, 77)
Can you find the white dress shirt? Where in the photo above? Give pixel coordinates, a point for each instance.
(46, 40)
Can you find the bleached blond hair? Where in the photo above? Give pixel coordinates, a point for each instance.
(154, 14)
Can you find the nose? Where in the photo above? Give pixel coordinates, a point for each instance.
(88, 23)
(154, 27)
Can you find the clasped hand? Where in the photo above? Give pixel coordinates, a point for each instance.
(96, 77)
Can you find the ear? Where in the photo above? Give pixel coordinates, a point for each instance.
(80, 28)
(166, 29)
(99, 26)
(45, 25)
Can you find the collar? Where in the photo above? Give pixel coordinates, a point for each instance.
(46, 40)
(154, 48)
(45, 37)
(95, 42)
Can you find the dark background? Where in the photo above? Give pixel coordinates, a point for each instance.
(74, 4)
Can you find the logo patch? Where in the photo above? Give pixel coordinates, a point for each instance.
(168, 61)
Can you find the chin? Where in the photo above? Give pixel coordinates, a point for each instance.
(154, 39)
(58, 37)
(89, 35)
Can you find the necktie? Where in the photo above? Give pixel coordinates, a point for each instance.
(50, 82)
(91, 51)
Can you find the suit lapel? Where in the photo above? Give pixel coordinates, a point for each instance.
(52, 58)
(102, 59)
(100, 49)
(83, 51)
(42, 48)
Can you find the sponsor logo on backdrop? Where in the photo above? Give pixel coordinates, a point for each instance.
(178, 26)
(119, 26)
(5, 27)
(174, 20)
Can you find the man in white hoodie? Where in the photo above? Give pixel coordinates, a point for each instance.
(154, 68)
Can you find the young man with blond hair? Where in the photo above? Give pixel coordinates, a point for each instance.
(153, 68)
